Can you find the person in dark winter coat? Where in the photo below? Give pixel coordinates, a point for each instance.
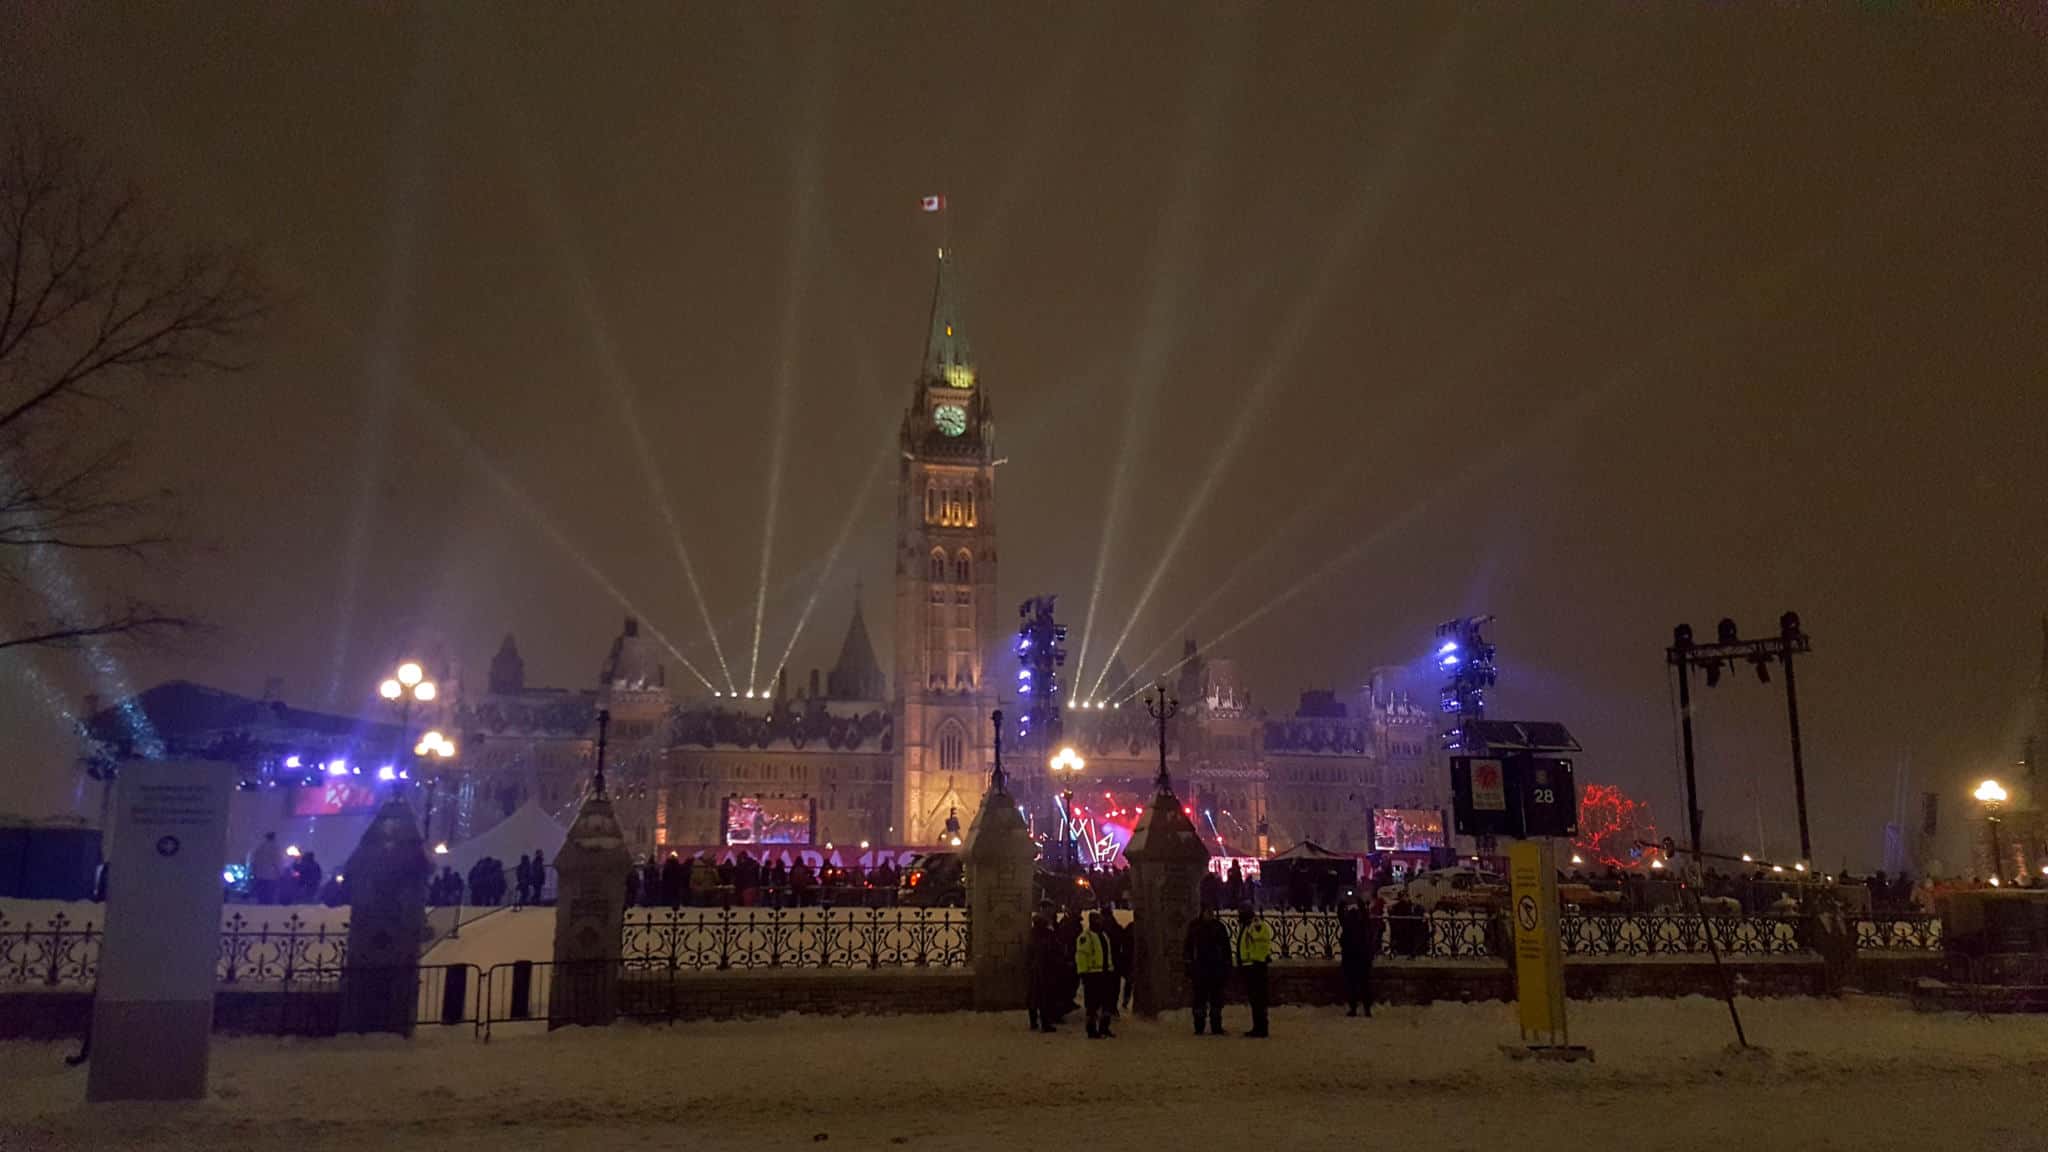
(1207, 953)
(1410, 927)
(1358, 937)
(522, 876)
(1066, 932)
(539, 875)
(1042, 964)
(1121, 945)
(310, 873)
(675, 880)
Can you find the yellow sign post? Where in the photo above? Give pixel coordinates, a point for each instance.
(1539, 951)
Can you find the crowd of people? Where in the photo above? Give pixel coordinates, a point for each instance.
(490, 882)
(1085, 960)
(280, 877)
(741, 880)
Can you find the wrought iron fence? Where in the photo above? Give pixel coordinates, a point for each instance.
(700, 939)
(1899, 932)
(1678, 934)
(63, 953)
(1482, 935)
(1438, 935)
(290, 951)
(57, 953)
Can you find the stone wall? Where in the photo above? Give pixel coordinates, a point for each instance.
(313, 1011)
(268, 1011)
(739, 995)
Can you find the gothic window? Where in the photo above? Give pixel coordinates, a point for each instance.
(938, 566)
(963, 567)
(952, 748)
(970, 506)
(931, 501)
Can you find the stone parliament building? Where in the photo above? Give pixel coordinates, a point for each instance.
(859, 754)
(855, 755)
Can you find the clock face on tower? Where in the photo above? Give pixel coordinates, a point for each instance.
(951, 419)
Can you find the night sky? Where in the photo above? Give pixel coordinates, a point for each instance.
(1596, 318)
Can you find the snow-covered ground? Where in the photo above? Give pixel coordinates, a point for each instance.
(1853, 1074)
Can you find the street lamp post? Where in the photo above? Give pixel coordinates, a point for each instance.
(408, 684)
(432, 746)
(1065, 767)
(1163, 708)
(1992, 795)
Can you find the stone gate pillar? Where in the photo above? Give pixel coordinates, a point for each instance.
(387, 923)
(1001, 866)
(590, 917)
(1167, 859)
(1001, 878)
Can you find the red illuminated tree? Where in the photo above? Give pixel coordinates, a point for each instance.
(1610, 825)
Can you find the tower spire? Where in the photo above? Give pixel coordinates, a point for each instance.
(946, 355)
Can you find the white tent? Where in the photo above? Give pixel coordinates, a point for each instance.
(515, 836)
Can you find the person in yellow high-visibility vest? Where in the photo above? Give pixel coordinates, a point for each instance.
(1254, 953)
(1097, 969)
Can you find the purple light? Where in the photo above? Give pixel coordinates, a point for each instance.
(337, 767)
(1448, 661)
(1449, 646)
(404, 774)
(291, 761)
(387, 772)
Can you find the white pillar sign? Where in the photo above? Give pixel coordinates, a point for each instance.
(153, 1005)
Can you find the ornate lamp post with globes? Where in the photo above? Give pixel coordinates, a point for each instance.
(1992, 795)
(408, 684)
(1065, 767)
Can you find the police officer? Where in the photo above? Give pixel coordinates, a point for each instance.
(1254, 953)
(1095, 964)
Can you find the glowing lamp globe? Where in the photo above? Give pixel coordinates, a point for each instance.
(390, 689)
(424, 691)
(1990, 792)
(409, 673)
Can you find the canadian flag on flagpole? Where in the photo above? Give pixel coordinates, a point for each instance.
(933, 204)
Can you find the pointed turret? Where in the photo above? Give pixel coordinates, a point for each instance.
(1189, 684)
(857, 675)
(508, 669)
(946, 355)
(949, 413)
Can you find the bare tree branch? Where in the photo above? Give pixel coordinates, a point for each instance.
(101, 309)
(137, 622)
